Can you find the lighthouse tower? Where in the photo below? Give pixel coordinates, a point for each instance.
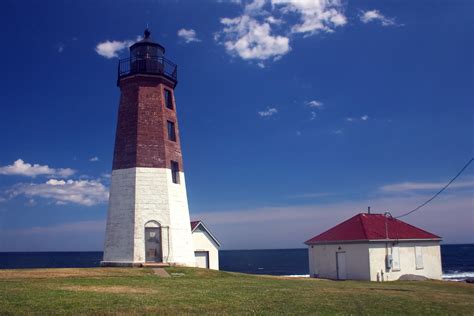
(148, 216)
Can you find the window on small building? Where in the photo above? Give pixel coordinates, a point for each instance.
(175, 171)
(419, 257)
(395, 258)
(171, 131)
(168, 99)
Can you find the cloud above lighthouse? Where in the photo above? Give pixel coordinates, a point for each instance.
(264, 29)
(188, 35)
(111, 49)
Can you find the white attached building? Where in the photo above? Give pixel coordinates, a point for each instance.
(374, 247)
(206, 246)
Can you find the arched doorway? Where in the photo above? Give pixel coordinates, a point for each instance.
(153, 249)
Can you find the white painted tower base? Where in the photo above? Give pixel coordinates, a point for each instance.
(139, 196)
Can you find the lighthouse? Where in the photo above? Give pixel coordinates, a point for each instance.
(148, 216)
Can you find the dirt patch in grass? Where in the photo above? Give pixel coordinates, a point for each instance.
(109, 289)
(70, 273)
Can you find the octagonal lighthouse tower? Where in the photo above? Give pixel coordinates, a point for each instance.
(148, 216)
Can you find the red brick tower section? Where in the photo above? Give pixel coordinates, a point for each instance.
(148, 215)
(147, 129)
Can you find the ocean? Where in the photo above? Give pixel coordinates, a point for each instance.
(458, 261)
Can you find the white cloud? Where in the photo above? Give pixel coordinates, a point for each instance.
(188, 35)
(375, 15)
(416, 186)
(268, 112)
(273, 20)
(349, 119)
(313, 116)
(337, 132)
(95, 158)
(110, 49)
(19, 167)
(315, 15)
(259, 32)
(249, 39)
(60, 48)
(82, 192)
(315, 104)
(364, 117)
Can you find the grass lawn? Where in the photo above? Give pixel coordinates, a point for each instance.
(198, 291)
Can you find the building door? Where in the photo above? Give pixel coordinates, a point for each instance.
(153, 244)
(341, 265)
(202, 259)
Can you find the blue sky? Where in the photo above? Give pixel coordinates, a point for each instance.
(293, 115)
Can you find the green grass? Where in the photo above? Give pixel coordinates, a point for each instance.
(197, 291)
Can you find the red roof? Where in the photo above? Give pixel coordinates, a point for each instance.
(194, 224)
(365, 226)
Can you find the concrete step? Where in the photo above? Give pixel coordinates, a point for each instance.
(155, 265)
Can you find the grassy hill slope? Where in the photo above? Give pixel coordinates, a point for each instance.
(198, 291)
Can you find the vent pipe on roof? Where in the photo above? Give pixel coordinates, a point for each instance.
(368, 210)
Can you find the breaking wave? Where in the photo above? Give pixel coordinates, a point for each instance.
(458, 275)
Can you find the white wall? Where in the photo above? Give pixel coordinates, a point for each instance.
(365, 260)
(140, 195)
(322, 260)
(431, 260)
(119, 238)
(203, 242)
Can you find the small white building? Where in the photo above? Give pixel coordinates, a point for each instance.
(374, 247)
(206, 246)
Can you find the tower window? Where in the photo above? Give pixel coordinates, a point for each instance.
(171, 131)
(175, 171)
(168, 99)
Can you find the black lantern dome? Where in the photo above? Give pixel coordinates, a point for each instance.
(146, 47)
(147, 57)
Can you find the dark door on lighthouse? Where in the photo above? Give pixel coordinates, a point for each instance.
(153, 244)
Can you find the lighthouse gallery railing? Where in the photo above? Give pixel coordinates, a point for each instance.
(147, 65)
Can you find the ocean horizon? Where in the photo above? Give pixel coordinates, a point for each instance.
(457, 260)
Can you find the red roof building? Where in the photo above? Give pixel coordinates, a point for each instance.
(367, 227)
(374, 247)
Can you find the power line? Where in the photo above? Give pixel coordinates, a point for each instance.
(440, 191)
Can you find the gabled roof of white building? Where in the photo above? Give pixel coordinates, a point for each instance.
(365, 227)
(196, 224)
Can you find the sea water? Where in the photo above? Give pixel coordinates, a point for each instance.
(458, 261)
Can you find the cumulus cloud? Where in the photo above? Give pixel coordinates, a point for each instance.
(417, 186)
(19, 167)
(315, 16)
(263, 30)
(364, 117)
(375, 15)
(111, 49)
(268, 112)
(82, 192)
(349, 119)
(94, 159)
(315, 104)
(188, 35)
(248, 38)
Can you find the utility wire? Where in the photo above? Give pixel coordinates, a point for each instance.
(440, 191)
